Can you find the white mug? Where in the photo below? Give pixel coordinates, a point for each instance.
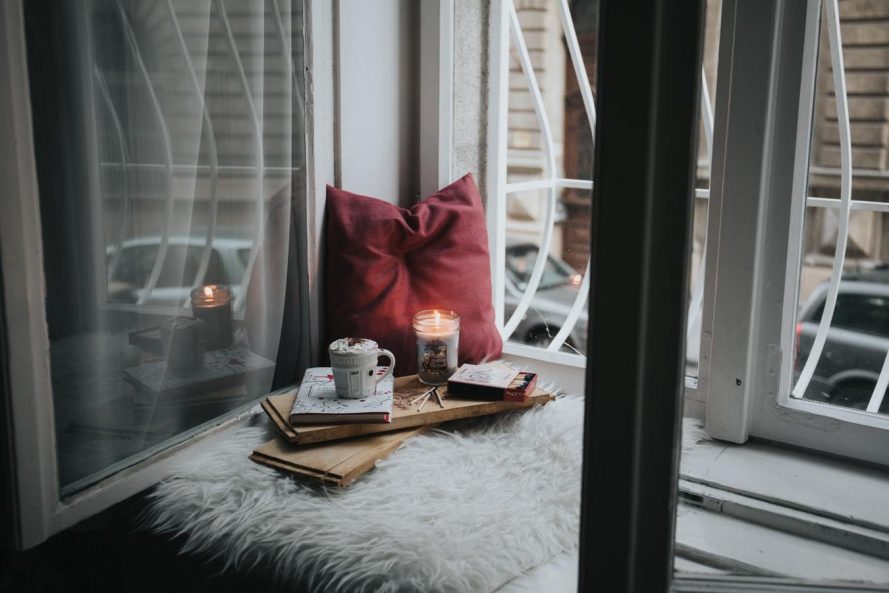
(354, 361)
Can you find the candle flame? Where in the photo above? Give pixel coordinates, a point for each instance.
(208, 291)
(437, 318)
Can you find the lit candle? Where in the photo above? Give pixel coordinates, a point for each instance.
(438, 336)
(212, 304)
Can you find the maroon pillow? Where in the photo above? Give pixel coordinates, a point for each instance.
(385, 263)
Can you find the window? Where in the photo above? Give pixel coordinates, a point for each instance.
(793, 308)
(542, 161)
(169, 144)
(542, 168)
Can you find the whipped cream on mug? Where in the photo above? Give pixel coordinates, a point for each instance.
(353, 345)
(353, 361)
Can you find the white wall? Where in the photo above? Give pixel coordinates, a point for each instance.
(378, 99)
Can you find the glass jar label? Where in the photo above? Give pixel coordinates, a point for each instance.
(435, 356)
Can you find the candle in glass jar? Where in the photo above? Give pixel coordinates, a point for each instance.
(438, 336)
(212, 304)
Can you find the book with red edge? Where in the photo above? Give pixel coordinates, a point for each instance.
(521, 388)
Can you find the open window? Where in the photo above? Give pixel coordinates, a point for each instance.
(795, 350)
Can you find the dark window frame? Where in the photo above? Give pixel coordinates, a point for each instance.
(648, 83)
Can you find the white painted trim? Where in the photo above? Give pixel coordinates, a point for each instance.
(559, 183)
(498, 97)
(321, 154)
(445, 92)
(436, 80)
(21, 255)
(835, 489)
(446, 66)
(570, 375)
(566, 359)
(725, 370)
(686, 583)
(850, 415)
(810, 524)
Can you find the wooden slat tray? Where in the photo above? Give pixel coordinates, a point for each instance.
(406, 388)
(335, 464)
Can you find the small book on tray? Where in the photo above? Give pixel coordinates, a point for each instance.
(317, 403)
(492, 381)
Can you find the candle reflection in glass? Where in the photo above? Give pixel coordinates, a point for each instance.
(438, 336)
(212, 304)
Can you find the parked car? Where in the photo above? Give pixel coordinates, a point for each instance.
(857, 340)
(552, 302)
(228, 261)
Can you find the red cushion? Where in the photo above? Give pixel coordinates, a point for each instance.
(385, 263)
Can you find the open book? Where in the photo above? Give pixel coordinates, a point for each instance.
(317, 403)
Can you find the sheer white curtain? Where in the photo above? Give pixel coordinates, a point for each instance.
(177, 165)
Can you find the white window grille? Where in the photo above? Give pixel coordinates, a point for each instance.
(845, 206)
(548, 187)
(780, 153)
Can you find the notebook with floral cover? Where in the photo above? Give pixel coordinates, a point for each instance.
(317, 402)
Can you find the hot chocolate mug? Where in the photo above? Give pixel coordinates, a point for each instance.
(354, 362)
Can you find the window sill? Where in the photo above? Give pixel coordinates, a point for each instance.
(740, 501)
(565, 370)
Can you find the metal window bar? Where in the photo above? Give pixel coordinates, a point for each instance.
(586, 93)
(696, 306)
(213, 154)
(550, 170)
(189, 169)
(161, 255)
(123, 165)
(240, 299)
(845, 205)
(298, 100)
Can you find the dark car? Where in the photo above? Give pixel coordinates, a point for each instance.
(857, 340)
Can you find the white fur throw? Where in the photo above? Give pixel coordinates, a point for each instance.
(463, 510)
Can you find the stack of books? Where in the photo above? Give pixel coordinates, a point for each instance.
(336, 440)
(317, 403)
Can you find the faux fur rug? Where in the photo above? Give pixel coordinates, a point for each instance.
(466, 509)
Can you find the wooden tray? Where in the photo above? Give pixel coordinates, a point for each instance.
(406, 388)
(335, 464)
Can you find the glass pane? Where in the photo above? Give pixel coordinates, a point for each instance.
(847, 362)
(170, 148)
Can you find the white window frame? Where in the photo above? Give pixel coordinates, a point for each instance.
(41, 511)
(754, 232)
